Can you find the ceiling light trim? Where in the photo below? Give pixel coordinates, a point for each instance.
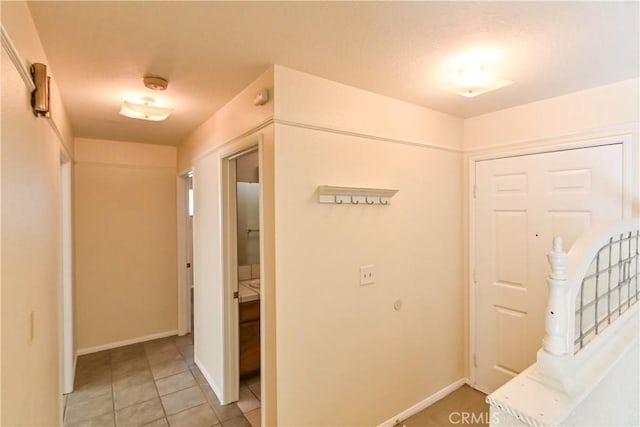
(471, 74)
(470, 91)
(145, 110)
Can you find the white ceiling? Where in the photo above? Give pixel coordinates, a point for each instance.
(209, 51)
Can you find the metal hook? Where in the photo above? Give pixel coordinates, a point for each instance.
(369, 202)
(338, 201)
(383, 202)
(356, 202)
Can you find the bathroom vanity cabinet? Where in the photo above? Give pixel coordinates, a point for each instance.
(249, 337)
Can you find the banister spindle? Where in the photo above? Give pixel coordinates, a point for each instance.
(556, 316)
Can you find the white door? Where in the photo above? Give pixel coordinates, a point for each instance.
(189, 248)
(66, 270)
(521, 204)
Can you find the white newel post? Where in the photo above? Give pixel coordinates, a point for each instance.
(557, 315)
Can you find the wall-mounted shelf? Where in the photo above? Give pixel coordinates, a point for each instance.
(354, 195)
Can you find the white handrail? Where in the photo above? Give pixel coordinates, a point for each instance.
(558, 314)
(558, 359)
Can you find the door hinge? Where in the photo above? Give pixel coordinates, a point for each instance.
(475, 277)
(474, 190)
(236, 294)
(475, 361)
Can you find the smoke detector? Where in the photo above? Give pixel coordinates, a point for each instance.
(155, 83)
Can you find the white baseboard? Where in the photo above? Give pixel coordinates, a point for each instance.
(424, 403)
(207, 377)
(116, 344)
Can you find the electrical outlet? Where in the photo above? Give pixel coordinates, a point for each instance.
(367, 274)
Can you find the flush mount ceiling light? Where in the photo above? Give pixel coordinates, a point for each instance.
(470, 74)
(144, 109)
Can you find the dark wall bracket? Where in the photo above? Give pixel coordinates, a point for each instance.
(40, 97)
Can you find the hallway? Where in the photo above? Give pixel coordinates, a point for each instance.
(153, 384)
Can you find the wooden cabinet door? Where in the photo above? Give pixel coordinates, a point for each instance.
(249, 347)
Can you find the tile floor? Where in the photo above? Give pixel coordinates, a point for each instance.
(463, 407)
(153, 384)
(157, 384)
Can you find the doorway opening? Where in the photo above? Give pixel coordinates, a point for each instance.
(242, 254)
(185, 253)
(248, 250)
(67, 353)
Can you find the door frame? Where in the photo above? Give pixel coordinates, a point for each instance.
(184, 291)
(67, 347)
(228, 193)
(625, 139)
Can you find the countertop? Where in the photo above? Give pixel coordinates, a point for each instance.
(249, 290)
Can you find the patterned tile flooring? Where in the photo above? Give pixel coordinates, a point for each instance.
(153, 384)
(157, 384)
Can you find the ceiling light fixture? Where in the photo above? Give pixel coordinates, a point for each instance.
(472, 76)
(144, 109)
(473, 80)
(469, 74)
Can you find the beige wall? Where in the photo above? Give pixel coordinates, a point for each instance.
(236, 119)
(341, 107)
(568, 116)
(30, 392)
(345, 356)
(125, 242)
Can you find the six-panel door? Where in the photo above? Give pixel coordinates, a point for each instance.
(521, 204)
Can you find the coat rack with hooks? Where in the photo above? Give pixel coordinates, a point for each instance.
(355, 195)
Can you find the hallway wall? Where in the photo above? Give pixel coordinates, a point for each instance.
(125, 253)
(30, 387)
(345, 355)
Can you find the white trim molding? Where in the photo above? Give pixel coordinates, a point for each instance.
(381, 138)
(428, 401)
(116, 344)
(17, 61)
(554, 140)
